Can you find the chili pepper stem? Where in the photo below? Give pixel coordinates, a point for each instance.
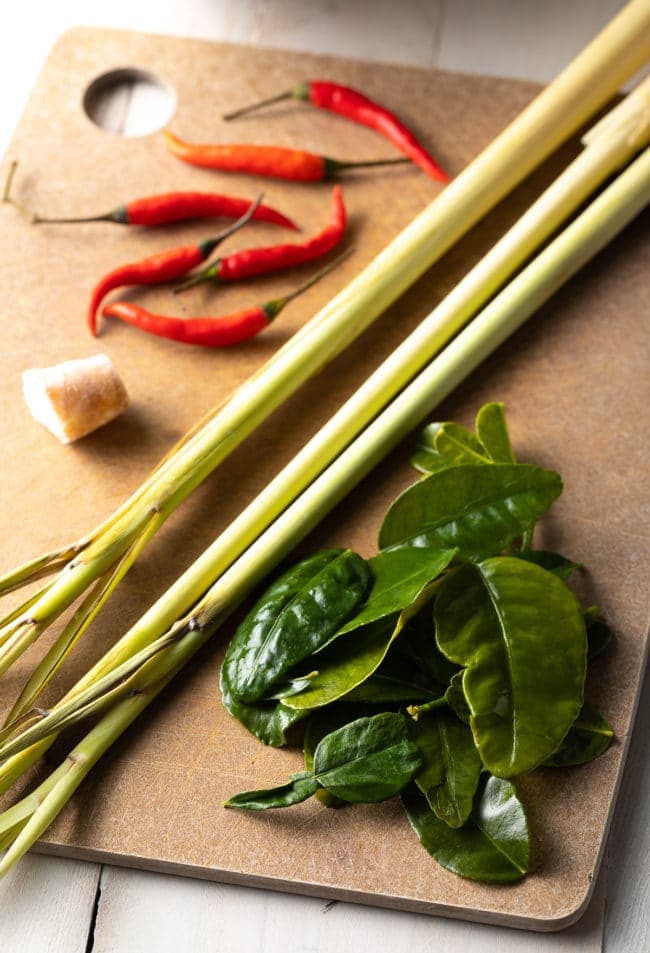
(6, 192)
(108, 217)
(332, 166)
(279, 98)
(209, 273)
(274, 307)
(208, 246)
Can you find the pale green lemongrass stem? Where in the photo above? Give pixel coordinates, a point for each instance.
(15, 615)
(17, 766)
(82, 618)
(579, 242)
(6, 839)
(104, 690)
(74, 769)
(162, 498)
(24, 636)
(36, 569)
(595, 75)
(22, 810)
(563, 197)
(636, 107)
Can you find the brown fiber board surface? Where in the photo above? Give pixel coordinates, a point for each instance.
(574, 380)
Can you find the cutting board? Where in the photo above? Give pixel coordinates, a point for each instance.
(573, 380)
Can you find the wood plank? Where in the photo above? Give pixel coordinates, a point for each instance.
(346, 29)
(627, 922)
(47, 903)
(140, 910)
(530, 39)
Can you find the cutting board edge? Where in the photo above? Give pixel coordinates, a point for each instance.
(82, 28)
(326, 893)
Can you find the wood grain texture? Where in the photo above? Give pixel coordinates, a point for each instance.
(628, 884)
(47, 903)
(517, 39)
(139, 911)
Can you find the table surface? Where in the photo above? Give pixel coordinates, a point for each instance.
(70, 906)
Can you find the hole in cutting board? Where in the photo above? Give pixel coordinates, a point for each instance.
(129, 102)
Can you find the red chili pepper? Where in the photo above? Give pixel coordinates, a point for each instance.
(178, 207)
(222, 331)
(252, 262)
(165, 266)
(352, 104)
(273, 161)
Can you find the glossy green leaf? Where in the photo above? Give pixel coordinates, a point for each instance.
(368, 760)
(492, 432)
(321, 723)
(599, 634)
(451, 765)
(300, 787)
(268, 721)
(478, 509)
(399, 576)
(589, 736)
(354, 657)
(455, 698)
(346, 663)
(297, 615)
(519, 631)
(459, 446)
(493, 846)
(427, 461)
(443, 445)
(553, 562)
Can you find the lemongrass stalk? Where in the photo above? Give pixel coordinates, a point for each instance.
(82, 618)
(579, 242)
(587, 172)
(110, 687)
(36, 569)
(594, 76)
(17, 766)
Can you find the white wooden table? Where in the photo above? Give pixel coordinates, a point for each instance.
(65, 906)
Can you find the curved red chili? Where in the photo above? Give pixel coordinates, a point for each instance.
(354, 105)
(251, 262)
(277, 162)
(164, 266)
(222, 331)
(169, 207)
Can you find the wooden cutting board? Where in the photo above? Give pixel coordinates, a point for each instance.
(573, 379)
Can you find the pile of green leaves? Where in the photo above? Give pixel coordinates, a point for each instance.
(440, 669)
